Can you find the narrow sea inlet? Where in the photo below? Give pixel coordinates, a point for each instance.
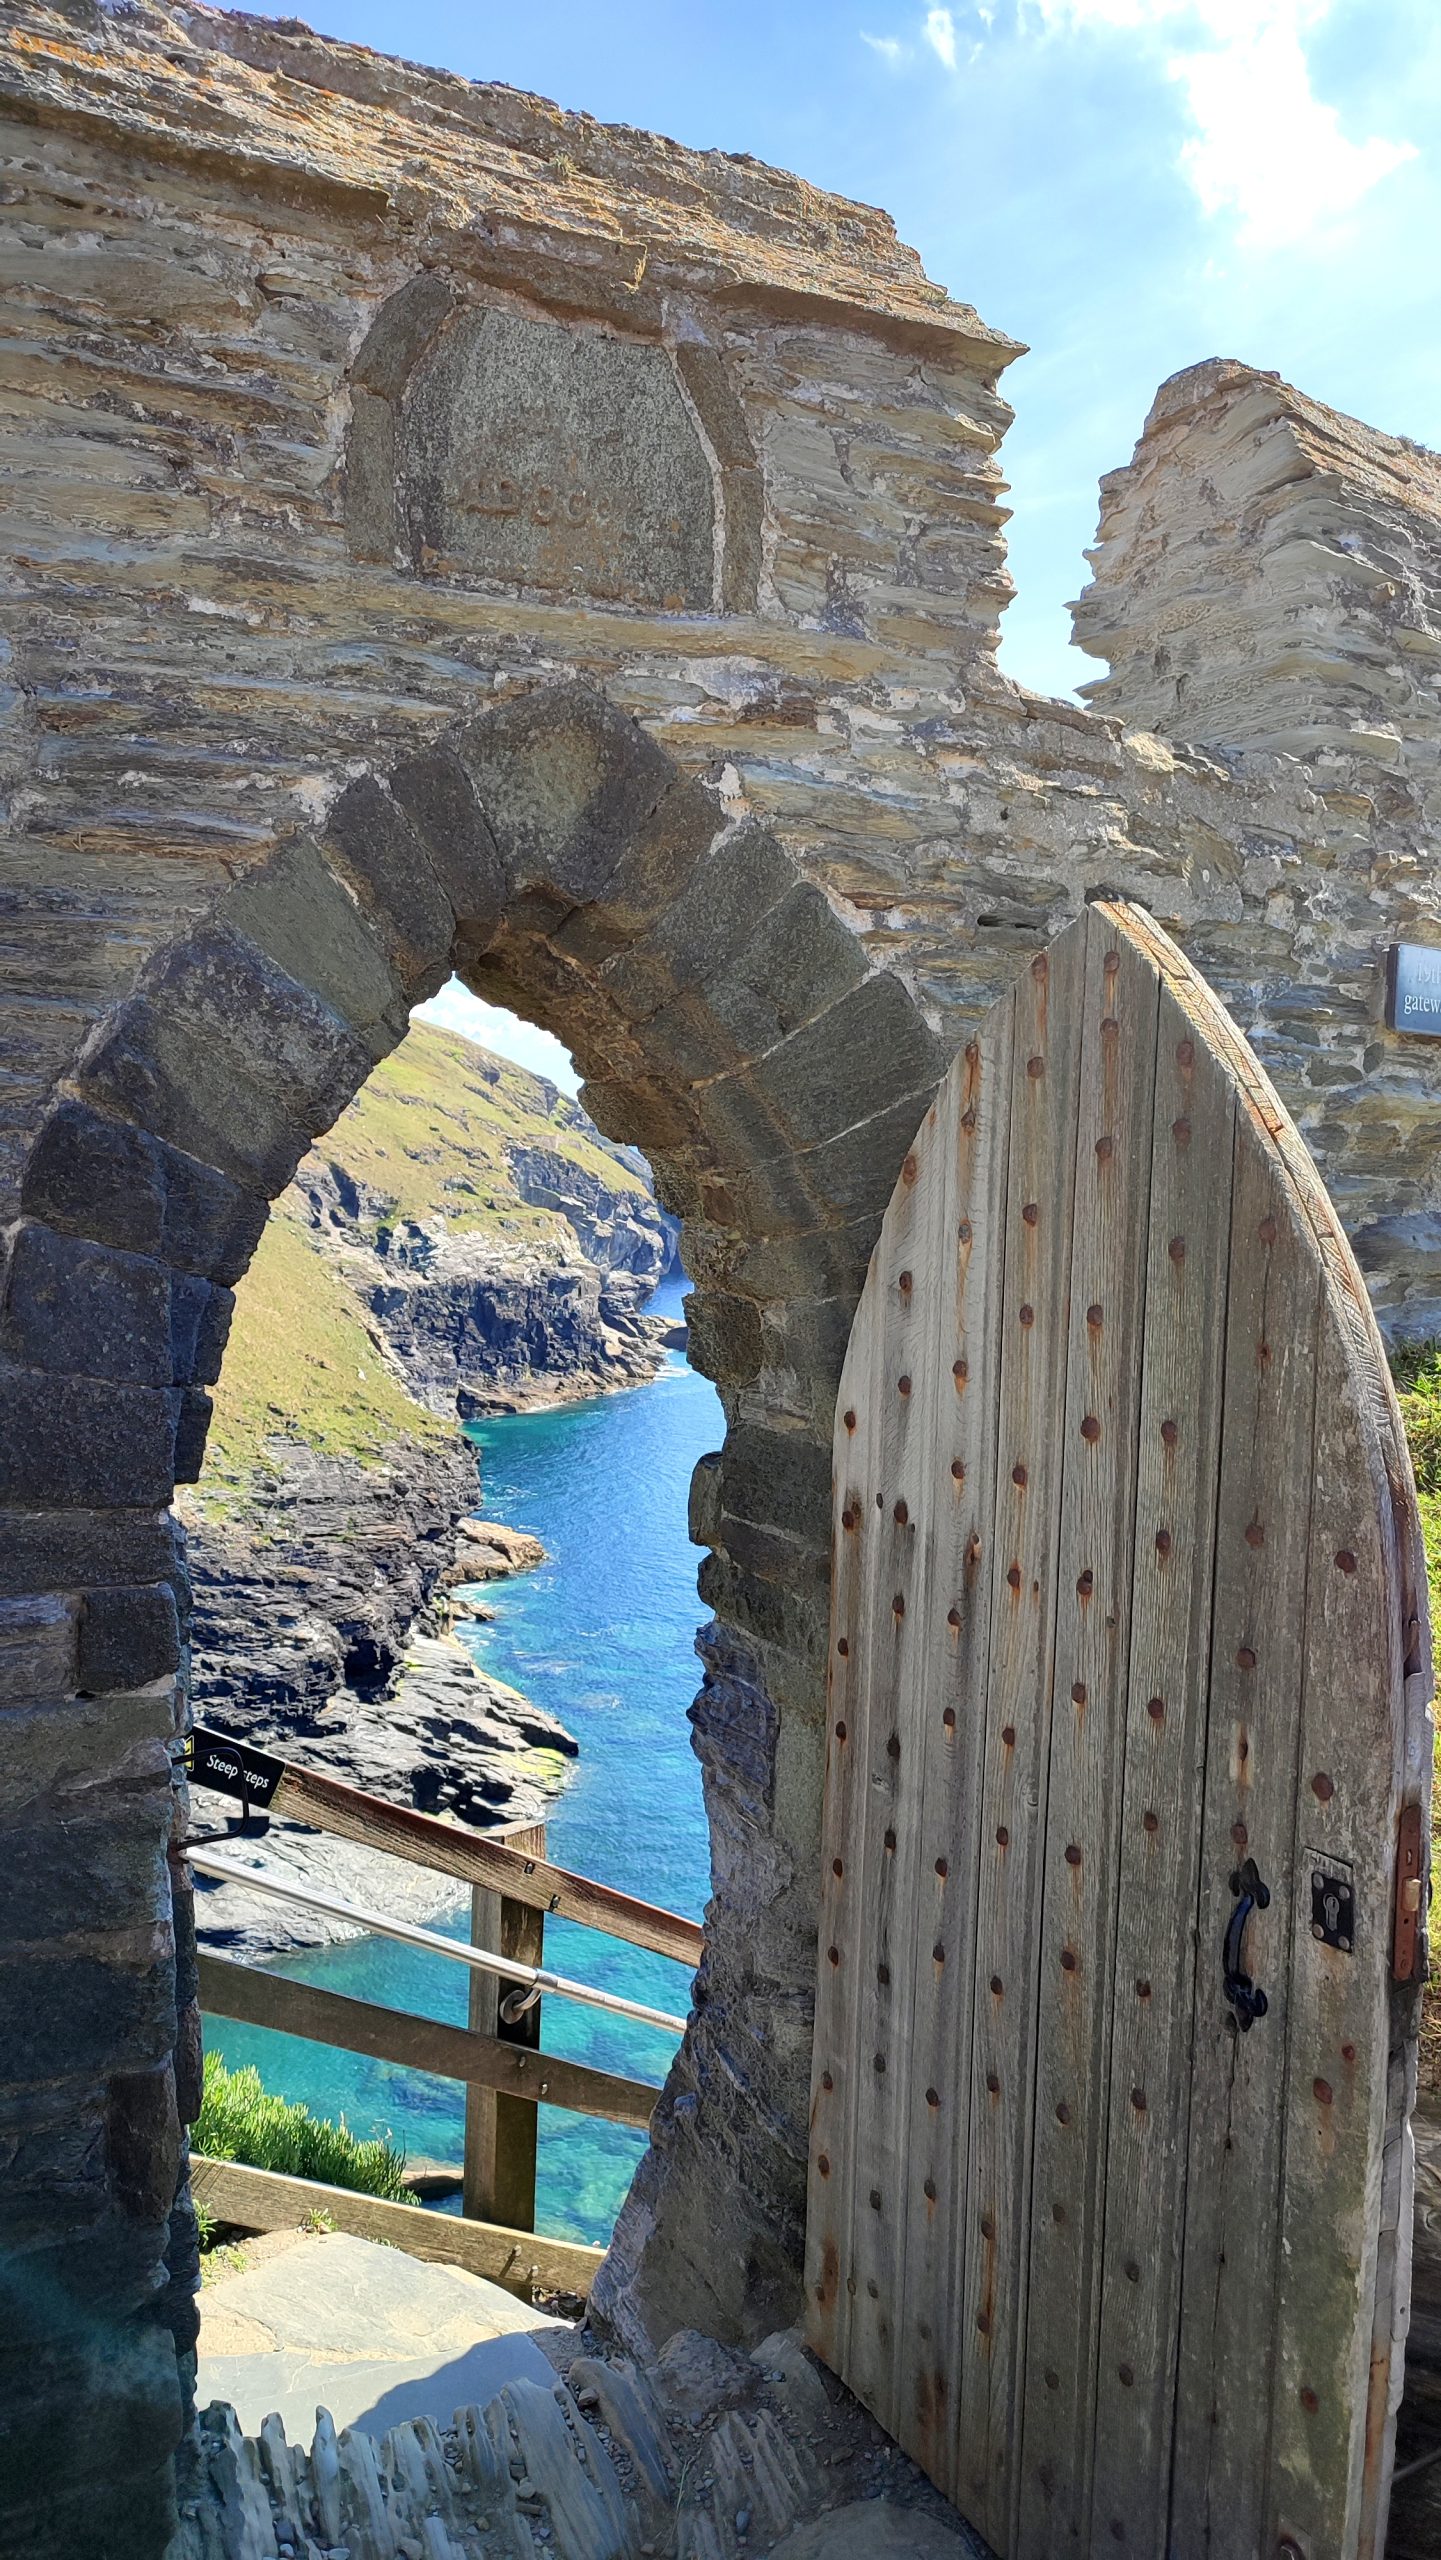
(601, 1635)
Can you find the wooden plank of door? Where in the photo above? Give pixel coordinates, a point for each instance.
(1333, 2415)
(908, 1257)
(1099, 1428)
(1233, 2165)
(948, 1728)
(1358, 1399)
(1182, 1361)
(843, 1923)
(1040, 1179)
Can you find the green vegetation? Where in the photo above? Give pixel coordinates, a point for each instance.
(301, 1363)
(1416, 1368)
(222, 2258)
(238, 2121)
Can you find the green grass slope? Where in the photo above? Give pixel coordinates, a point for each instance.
(302, 1364)
(240, 2121)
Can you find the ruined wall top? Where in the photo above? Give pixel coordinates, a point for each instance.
(1268, 573)
(482, 173)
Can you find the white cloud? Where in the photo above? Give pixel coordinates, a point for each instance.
(491, 1027)
(889, 48)
(1264, 147)
(940, 35)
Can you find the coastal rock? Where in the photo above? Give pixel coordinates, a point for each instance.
(489, 1551)
(874, 2529)
(502, 1250)
(315, 1634)
(451, 1741)
(616, 1230)
(696, 2376)
(309, 1586)
(479, 1325)
(464, 1239)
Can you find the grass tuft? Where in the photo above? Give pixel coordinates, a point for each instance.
(1416, 1368)
(239, 2121)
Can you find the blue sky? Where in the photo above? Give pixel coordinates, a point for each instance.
(1127, 185)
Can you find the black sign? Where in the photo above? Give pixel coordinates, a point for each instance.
(232, 1768)
(1413, 989)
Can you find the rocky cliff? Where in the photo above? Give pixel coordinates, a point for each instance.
(503, 1248)
(463, 1240)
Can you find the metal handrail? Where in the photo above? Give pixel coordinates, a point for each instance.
(406, 1933)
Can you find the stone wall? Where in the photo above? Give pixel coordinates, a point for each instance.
(1268, 574)
(443, 532)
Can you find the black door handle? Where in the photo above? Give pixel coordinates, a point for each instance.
(1251, 1894)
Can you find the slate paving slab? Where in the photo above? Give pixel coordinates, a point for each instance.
(374, 2336)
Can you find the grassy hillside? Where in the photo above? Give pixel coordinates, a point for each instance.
(301, 1363)
(1417, 1371)
(427, 1134)
(429, 1131)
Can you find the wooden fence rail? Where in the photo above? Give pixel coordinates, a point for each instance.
(327, 1804)
(497, 2057)
(255, 1998)
(263, 2200)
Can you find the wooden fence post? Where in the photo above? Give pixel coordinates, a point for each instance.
(501, 2131)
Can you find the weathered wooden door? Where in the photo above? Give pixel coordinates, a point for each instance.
(1109, 2197)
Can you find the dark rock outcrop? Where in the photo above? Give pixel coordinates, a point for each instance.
(615, 1230)
(482, 1327)
(510, 1260)
(305, 1601)
(318, 1632)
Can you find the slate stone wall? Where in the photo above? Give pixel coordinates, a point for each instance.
(743, 810)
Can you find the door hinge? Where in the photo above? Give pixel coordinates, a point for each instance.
(1410, 1894)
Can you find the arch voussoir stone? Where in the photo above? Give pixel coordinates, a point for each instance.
(869, 1052)
(436, 796)
(564, 780)
(725, 1337)
(735, 880)
(654, 868)
(225, 1056)
(379, 855)
(297, 910)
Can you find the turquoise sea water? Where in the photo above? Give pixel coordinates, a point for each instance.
(601, 1635)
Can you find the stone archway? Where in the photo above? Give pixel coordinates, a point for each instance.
(730, 1024)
